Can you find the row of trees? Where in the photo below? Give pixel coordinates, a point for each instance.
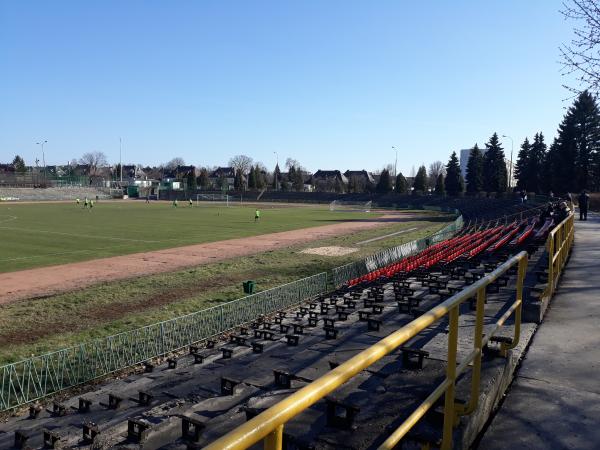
(486, 171)
(572, 163)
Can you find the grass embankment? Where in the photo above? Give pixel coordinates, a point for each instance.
(40, 325)
(36, 235)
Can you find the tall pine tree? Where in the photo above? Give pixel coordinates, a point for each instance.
(384, 184)
(252, 179)
(586, 122)
(238, 181)
(535, 163)
(420, 182)
(475, 170)
(276, 177)
(261, 182)
(297, 179)
(192, 185)
(549, 168)
(203, 181)
(565, 156)
(521, 172)
(453, 181)
(495, 177)
(440, 188)
(19, 164)
(401, 185)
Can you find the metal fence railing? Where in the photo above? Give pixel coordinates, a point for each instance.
(269, 424)
(342, 274)
(40, 376)
(558, 245)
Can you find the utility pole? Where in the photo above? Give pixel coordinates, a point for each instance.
(275, 171)
(43, 157)
(512, 144)
(120, 161)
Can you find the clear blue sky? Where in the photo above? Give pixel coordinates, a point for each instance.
(333, 84)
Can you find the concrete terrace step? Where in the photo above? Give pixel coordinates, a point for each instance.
(554, 402)
(222, 392)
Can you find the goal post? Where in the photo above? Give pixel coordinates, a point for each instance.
(217, 198)
(341, 205)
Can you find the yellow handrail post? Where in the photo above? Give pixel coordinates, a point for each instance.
(522, 271)
(449, 412)
(551, 265)
(268, 425)
(274, 440)
(478, 348)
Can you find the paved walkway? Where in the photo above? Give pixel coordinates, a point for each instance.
(554, 402)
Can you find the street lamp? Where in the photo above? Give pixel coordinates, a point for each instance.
(512, 144)
(396, 161)
(43, 156)
(276, 183)
(120, 162)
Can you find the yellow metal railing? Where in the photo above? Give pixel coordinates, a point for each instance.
(269, 424)
(559, 243)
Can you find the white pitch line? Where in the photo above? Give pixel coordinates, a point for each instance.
(378, 238)
(20, 258)
(10, 218)
(79, 235)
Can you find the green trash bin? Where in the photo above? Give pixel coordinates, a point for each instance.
(249, 286)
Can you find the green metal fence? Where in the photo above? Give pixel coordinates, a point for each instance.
(40, 376)
(43, 375)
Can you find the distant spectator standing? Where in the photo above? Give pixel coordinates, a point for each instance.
(523, 195)
(547, 213)
(562, 214)
(584, 202)
(569, 198)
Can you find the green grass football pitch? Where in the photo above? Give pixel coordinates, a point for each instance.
(44, 234)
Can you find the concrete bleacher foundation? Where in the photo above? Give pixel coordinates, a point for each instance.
(53, 194)
(554, 401)
(219, 391)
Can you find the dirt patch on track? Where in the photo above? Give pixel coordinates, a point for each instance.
(330, 251)
(46, 281)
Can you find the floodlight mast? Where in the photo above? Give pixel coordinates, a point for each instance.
(43, 157)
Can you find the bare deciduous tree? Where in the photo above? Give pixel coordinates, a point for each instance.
(175, 162)
(582, 55)
(291, 162)
(435, 169)
(241, 163)
(95, 160)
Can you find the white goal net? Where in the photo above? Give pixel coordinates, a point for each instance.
(341, 205)
(222, 198)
